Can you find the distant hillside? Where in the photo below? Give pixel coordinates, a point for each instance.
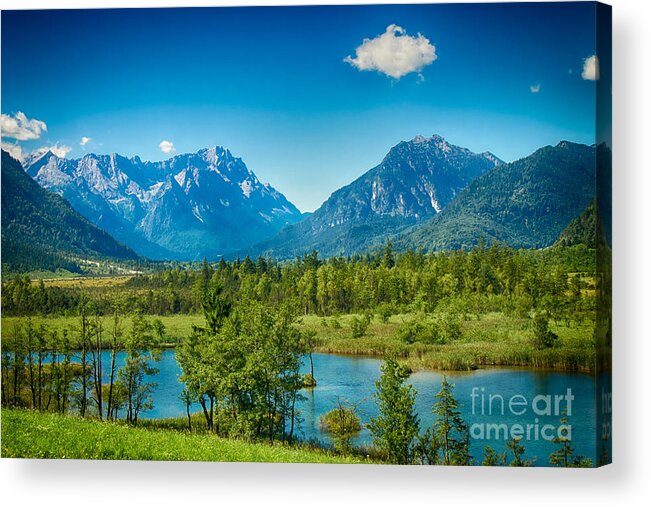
(582, 230)
(527, 203)
(415, 181)
(40, 230)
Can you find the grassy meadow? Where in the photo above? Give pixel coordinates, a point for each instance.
(176, 326)
(30, 434)
(491, 339)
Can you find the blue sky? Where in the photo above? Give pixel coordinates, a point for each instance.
(272, 85)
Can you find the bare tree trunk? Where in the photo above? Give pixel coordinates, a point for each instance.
(293, 415)
(114, 346)
(39, 379)
(64, 394)
(98, 366)
(212, 410)
(30, 362)
(84, 372)
(5, 378)
(54, 373)
(109, 405)
(16, 399)
(202, 402)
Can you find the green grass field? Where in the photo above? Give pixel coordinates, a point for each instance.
(29, 434)
(492, 340)
(176, 326)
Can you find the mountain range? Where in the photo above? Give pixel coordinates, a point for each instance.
(527, 203)
(204, 204)
(416, 180)
(426, 193)
(40, 230)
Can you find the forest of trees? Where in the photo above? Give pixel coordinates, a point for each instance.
(242, 367)
(495, 278)
(48, 370)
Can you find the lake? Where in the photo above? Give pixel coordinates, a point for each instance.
(489, 397)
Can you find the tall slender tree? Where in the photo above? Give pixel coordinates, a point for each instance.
(396, 427)
(450, 429)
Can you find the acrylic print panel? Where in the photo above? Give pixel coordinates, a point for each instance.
(332, 234)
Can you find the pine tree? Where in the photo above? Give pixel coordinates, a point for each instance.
(564, 455)
(216, 307)
(396, 427)
(514, 446)
(388, 259)
(493, 458)
(450, 429)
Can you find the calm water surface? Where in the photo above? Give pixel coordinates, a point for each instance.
(352, 379)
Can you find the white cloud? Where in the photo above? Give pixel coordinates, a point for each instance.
(394, 53)
(15, 150)
(535, 88)
(20, 127)
(590, 68)
(166, 146)
(85, 140)
(59, 150)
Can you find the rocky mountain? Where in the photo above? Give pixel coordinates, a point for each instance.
(196, 205)
(527, 203)
(415, 181)
(40, 230)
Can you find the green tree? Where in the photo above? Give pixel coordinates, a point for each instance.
(116, 343)
(187, 398)
(518, 451)
(450, 429)
(493, 458)
(342, 423)
(564, 456)
(358, 327)
(216, 307)
(141, 347)
(544, 337)
(388, 258)
(96, 332)
(428, 448)
(396, 427)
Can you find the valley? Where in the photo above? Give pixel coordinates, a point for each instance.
(439, 261)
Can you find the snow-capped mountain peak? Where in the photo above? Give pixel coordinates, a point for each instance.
(207, 203)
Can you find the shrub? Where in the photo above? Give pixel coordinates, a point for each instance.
(450, 329)
(422, 331)
(358, 327)
(384, 312)
(544, 338)
(308, 381)
(342, 423)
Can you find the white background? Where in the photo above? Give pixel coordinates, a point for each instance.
(626, 482)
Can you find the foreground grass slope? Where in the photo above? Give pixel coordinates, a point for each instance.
(29, 434)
